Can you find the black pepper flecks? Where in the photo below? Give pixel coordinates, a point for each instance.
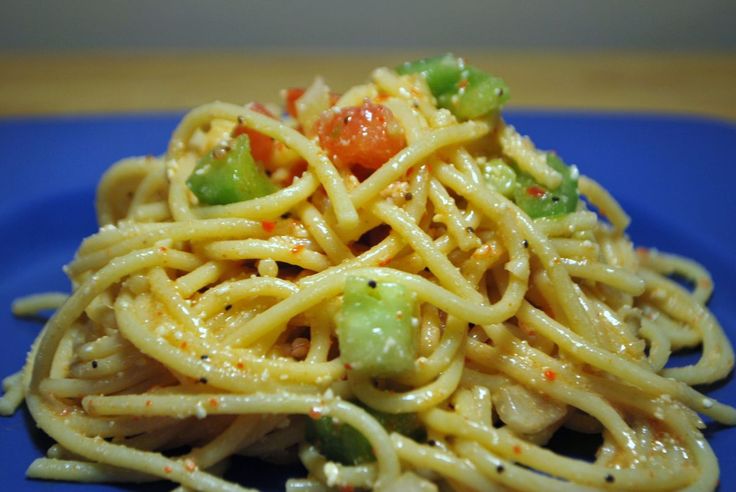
(204, 357)
(610, 478)
(525, 243)
(228, 307)
(94, 364)
(372, 284)
(408, 196)
(203, 380)
(500, 468)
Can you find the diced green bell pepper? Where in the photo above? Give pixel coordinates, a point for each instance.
(500, 176)
(539, 201)
(343, 443)
(226, 176)
(375, 329)
(466, 91)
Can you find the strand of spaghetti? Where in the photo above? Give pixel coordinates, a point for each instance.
(215, 299)
(107, 366)
(247, 249)
(562, 388)
(122, 456)
(244, 430)
(331, 285)
(638, 376)
(422, 243)
(13, 396)
(318, 161)
(151, 212)
(224, 368)
(467, 165)
(427, 368)
(412, 155)
(80, 471)
(115, 182)
(199, 230)
(575, 248)
(413, 90)
(528, 158)
(153, 182)
(95, 285)
(447, 212)
(76, 388)
(178, 169)
(163, 289)
(616, 277)
(265, 207)
(102, 347)
(669, 264)
(279, 403)
(200, 277)
(680, 421)
(510, 474)
(604, 202)
(442, 462)
(496, 206)
(507, 446)
(566, 225)
(717, 358)
(323, 234)
(659, 344)
(413, 124)
(421, 398)
(361, 476)
(35, 303)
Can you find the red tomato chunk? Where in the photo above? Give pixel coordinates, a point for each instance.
(261, 146)
(366, 135)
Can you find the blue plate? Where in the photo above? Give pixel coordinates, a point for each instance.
(674, 175)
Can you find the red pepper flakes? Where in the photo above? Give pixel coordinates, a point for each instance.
(298, 248)
(535, 191)
(168, 469)
(550, 375)
(214, 403)
(190, 465)
(183, 345)
(347, 366)
(347, 488)
(268, 225)
(163, 249)
(149, 403)
(315, 413)
(517, 449)
(240, 365)
(462, 84)
(385, 262)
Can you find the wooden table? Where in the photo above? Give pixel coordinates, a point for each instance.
(61, 84)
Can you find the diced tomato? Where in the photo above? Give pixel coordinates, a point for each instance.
(261, 146)
(366, 135)
(290, 97)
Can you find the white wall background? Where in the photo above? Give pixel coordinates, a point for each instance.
(74, 25)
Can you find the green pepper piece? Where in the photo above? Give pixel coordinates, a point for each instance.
(442, 73)
(480, 95)
(341, 442)
(539, 201)
(465, 90)
(226, 176)
(375, 327)
(499, 176)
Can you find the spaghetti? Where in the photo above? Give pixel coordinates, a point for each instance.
(220, 326)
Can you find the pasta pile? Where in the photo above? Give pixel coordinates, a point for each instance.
(196, 332)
